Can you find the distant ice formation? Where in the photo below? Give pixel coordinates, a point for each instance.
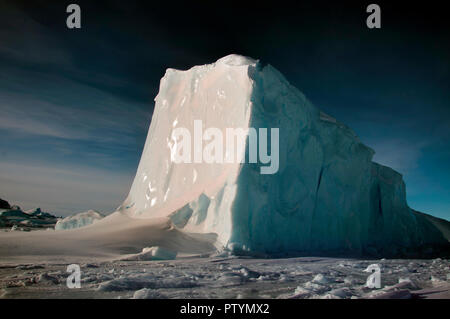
(78, 220)
(327, 197)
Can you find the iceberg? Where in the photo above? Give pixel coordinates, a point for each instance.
(327, 196)
(78, 220)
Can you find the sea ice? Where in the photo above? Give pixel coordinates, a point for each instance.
(148, 294)
(152, 253)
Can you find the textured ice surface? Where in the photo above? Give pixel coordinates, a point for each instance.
(78, 220)
(230, 278)
(327, 197)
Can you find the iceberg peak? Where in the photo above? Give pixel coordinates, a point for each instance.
(237, 60)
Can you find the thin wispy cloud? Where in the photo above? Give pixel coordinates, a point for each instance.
(399, 154)
(71, 136)
(23, 39)
(70, 110)
(63, 190)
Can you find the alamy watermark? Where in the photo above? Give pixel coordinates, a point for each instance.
(74, 279)
(73, 20)
(232, 150)
(373, 21)
(374, 279)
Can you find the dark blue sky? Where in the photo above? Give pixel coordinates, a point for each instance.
(76, 104)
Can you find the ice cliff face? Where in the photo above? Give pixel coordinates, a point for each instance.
(326, 197)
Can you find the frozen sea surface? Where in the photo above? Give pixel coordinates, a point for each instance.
(306, 277)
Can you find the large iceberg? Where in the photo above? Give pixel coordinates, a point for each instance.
(326, 196)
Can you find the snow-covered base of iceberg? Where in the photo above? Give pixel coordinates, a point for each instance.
(111, 238)
(78, 220)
